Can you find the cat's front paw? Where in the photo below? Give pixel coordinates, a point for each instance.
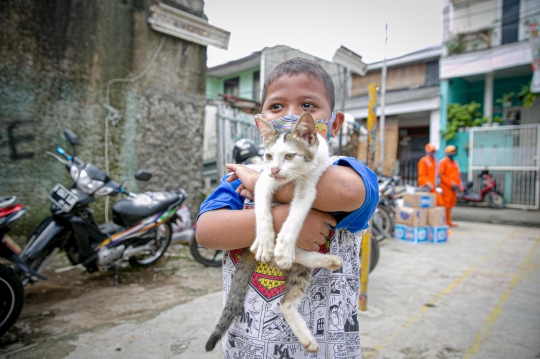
(263, 248)
(284, 251)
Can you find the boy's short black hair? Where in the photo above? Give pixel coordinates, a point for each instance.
(297, 66)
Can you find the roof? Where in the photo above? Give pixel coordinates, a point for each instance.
(235, 66)
(423, 55)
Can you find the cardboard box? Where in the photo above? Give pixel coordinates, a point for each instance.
(414, 217)
(438, 234)
(415, 235)
(436, 216)
(420, 200)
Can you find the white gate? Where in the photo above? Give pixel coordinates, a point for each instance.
(232, 125)
(512, 156)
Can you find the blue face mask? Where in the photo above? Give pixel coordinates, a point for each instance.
(451, 156)
(287, 122)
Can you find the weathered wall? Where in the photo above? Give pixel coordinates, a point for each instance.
(56, 57)
(398, 78)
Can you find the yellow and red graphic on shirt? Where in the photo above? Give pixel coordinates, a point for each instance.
(267, 279)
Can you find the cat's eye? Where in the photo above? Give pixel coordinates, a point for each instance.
(290, 156)
(268, 157)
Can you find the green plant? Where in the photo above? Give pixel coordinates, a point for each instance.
(457, 45)
(526, 95)
(459, 115)
(506, 99)
(497, 119)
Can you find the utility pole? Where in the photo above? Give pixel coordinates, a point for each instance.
(344, 87)
(383, 92)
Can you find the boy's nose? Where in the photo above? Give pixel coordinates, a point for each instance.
(275, 171)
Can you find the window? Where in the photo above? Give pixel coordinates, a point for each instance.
(510, 21)
(231, 86)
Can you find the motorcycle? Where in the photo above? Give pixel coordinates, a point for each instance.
(390, 193)
(139, 234)
(11, 288)
(184, 233)
(488, 193)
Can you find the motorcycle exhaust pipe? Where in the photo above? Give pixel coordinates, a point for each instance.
(131, 251)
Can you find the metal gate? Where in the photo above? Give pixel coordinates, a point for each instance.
(512, 156)
(233, 125)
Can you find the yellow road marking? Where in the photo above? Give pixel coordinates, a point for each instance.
(484, 332)
(441, 295)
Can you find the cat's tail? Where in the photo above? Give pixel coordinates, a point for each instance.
(235, 299)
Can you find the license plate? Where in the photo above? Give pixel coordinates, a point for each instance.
(12, 245)
(63, 198)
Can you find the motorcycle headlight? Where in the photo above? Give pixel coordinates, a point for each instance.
(88, 185)
(103, 191)
(74, 173)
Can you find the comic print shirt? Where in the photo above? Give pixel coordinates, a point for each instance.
(329, 305)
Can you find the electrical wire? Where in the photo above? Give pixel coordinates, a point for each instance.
(107, 93)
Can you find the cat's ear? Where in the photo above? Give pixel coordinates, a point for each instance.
(265, 128)
(305, 128)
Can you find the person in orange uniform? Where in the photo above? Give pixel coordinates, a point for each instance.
(427, 170)
(450, 181)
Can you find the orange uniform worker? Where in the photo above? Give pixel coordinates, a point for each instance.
(427, 170)
(450, 182)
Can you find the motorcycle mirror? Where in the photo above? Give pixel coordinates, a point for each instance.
(71, 137)
(143, 175)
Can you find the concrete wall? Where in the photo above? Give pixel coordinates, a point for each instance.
(56, 57)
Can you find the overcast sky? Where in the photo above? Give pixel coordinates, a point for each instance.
(320, 27)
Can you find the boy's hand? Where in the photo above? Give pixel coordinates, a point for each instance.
(247, 176)
(315, 230)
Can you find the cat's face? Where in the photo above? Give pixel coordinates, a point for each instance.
(289, 155)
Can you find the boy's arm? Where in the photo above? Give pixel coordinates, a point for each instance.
(232, 229)
(347, 186)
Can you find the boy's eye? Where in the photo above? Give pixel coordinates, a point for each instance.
(268, 157)
(308, 105)
(276, 107)
(290, 156)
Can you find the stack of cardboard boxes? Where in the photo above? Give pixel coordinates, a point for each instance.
(419, 220)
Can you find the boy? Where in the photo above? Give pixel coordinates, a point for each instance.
(347, 195)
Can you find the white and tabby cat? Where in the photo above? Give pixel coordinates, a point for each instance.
(300, 156)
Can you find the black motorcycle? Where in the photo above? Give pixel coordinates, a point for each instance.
(140, 232)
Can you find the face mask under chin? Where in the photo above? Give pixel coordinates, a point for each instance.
(285, 123)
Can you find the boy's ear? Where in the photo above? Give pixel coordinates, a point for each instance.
(305, 128)
(265, 128)
(338, 122)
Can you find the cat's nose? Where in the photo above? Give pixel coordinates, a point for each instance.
(275, 171)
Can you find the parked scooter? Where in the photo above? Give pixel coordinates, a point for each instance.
(184, 233)
(11, 288)
(489, 192)
(139, 233)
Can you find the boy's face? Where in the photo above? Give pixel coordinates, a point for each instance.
(296, 95)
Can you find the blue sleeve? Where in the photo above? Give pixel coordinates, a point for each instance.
(223, 197)
(358, 220)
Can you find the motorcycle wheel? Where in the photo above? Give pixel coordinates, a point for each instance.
(163, 239)
(375, 252)
(205, 256)
(387, 216)
(495, 200)
(11, 298)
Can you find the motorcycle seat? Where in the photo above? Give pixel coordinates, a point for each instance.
(145, 204)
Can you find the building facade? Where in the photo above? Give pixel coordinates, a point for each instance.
(486, 63)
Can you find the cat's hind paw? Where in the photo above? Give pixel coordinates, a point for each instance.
(334, 262)
(311, 347)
